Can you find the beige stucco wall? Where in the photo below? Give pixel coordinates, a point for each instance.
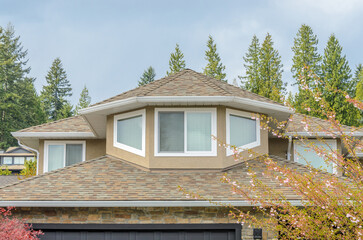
(278, 147)
(163, 162)
(94, 148)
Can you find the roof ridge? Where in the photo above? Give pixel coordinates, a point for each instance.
(167, 79)
(49, 123)
(53, 172)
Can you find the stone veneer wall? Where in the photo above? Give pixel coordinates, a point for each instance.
(133, 215)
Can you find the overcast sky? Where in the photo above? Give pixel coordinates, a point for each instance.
(108, 44)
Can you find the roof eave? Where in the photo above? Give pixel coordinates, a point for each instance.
(323, 134)
(53, 135)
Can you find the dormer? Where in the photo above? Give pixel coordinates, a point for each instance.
(175, 122)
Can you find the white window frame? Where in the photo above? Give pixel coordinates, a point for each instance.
(64, 143)
(186, 153)
(335, 146)
(136, 151)
(244, 114)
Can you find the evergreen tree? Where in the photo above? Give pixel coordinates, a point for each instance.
(147, 77)
(305, 59)
(56, 91)
(214, 66)
(176, 62)
(358, 83)
(270, 72)
(251, 81)
(336, 74)
(84, 100)
(19, 103)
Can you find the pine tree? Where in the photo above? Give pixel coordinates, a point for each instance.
(306, 59)
(56, 91)
(19, 103)
(214, 66)
(336, 74)
(270, 72)
(358, 83)
(147, 77)
(251, 81)
(84, 100)
(176, 62)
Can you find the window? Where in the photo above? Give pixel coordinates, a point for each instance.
(19, 160)
(304, 154)
(129, 132)
(185, 132)
(8, 160)
(61, 154)
(243, 131)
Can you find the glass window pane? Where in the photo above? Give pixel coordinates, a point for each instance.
(129, 132)
(199, 131)
(73, 153)
(171, 132)
(304, 154)
(8, 160)
(55, 157)
(29, 158)
(19, 160)
(242, 130)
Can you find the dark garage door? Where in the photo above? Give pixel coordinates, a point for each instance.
(139, 231)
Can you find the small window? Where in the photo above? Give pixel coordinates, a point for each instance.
(19, 160)
(129, 132)
(185, 132)
(304, 154)
(61, 154)
(7, 160)
(243, 130)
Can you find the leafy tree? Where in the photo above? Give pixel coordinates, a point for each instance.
(12, 228)
(56, 91)
(176, 62)
(84, 100)
(336, 79)
(270, 72)
(30, 168)
(305, 56)
(251, 81)
(147, 77)
(5, 171)
(214, 66)
(19, 103)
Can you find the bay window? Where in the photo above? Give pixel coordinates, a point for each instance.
(242, 130)
(185, 131)
(59, 154)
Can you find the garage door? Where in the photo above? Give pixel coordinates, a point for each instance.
(139, 231)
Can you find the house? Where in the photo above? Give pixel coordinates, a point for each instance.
(113, 172)
(14, 157)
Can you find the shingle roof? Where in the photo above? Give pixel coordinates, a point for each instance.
(71, 124)
(314, 124)
(187, 83)
(108, 178)
(6, 180)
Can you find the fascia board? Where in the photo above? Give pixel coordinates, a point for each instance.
(53, 134)
(322, 134)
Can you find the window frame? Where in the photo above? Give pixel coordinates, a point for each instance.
(335, 145)
(125, 147)
(64, 143)
(186, 153)
(243, 114)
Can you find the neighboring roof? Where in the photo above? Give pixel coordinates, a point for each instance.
(71, 124)
(111, 179)
(17, 151)
(6, 180)
(187, 83)
(316, 126)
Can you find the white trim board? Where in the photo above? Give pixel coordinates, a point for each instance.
(53, 134)
(132, 203)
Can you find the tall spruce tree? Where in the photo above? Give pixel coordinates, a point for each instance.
(270, 72)
(251, 81)
(19, 103)
(336, 75)
(214, 66)
(54, 94)
(357, 83)
(84, 100)
(306, 58)
(176, 62)
(147, 77)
